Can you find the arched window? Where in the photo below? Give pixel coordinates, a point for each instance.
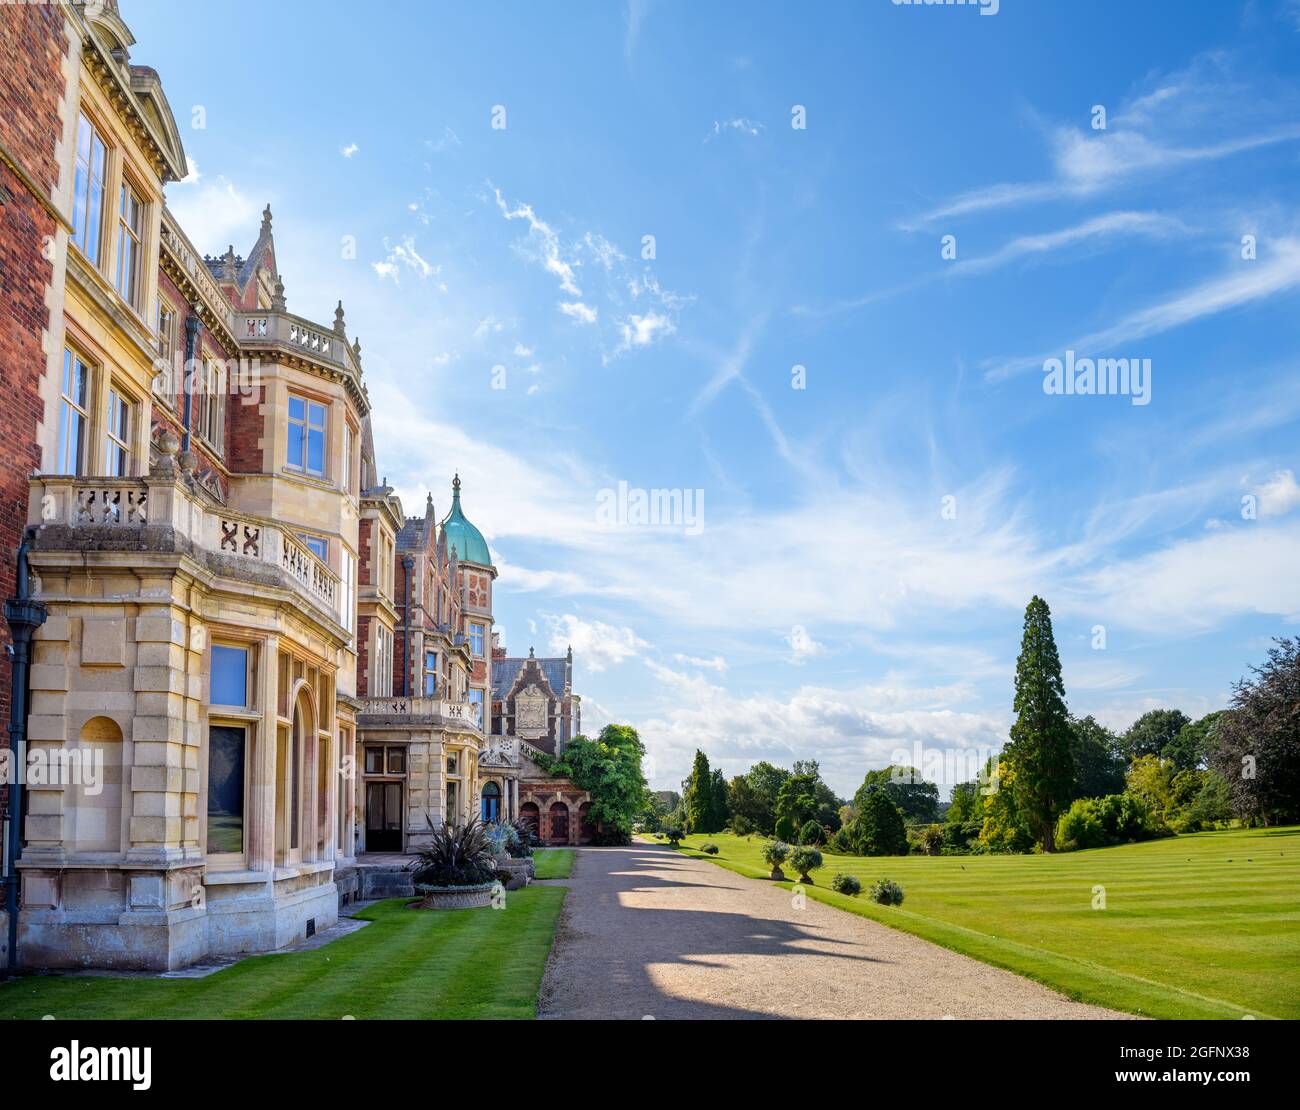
(491, 802)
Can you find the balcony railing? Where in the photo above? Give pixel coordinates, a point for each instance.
(278, 328)
(132, 502)
(458, 713)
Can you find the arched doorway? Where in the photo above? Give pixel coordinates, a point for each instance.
(531, 816)
(559, 823)
(490, 807)
(586, 830)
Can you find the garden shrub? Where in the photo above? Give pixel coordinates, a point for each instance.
(931, 840)
(811, 833)
(1100, 822)
(741, 825)
(709, 849)
(785, 829)
(804, 859)
(840, 842)
(846, 884)
(674, 836)
(886, 892)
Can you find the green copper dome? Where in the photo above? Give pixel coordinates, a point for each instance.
(468, 541)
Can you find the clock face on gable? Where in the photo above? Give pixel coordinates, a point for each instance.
(530, 714)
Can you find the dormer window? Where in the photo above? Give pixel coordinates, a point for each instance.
(306, 447)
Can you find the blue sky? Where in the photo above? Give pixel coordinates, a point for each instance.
(829, 607)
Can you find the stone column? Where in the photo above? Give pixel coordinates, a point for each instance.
(261, 816)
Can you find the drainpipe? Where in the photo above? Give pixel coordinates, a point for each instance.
(408, 564)
(192, 325)
(24, 616)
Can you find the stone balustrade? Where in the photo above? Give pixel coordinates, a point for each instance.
(278, 328)
(438, 710)
(130, 503)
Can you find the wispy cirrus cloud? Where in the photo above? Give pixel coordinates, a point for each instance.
(1244, 283)
(1204, 113)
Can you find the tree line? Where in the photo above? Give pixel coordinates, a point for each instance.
(1060, 783)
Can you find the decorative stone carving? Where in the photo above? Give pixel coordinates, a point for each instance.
(530, 714)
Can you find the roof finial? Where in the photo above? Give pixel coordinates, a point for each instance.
(266, 219)
(338, 319)
(570, 655)
(530, 653)
(277, 295)
(455, 489)
(428, 503)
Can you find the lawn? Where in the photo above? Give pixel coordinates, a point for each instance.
(482, 963)
(1203, 926)
(553, 863)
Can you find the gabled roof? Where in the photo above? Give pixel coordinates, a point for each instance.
(506, 671)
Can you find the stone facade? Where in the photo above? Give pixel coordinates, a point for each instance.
(254, 668)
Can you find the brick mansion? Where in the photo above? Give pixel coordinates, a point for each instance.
(209, 588)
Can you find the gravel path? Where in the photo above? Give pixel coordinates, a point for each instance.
(647, 932)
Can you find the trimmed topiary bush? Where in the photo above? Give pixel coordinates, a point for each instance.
(811, 833)
(775, 853)
(846, 884)
(804, 859)
(785, 830)
(886, 892)
(674, 836)
(709, 849)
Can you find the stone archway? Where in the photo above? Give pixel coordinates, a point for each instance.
(531, 815)
(558, 833)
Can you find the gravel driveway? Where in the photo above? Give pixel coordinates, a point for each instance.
(647, 932)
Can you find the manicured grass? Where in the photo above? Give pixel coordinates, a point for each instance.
(553, 863)
(481, 963)
(1203, 926)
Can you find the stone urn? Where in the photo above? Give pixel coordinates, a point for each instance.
(454, 897)
(777, 874)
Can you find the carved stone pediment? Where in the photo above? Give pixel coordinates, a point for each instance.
(530, 714)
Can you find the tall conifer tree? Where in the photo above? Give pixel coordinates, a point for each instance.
(698, 800)
(1040, 738)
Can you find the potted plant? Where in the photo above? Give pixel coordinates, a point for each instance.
(775, 853)
(518, 869)
(456, 869)
(804, 859)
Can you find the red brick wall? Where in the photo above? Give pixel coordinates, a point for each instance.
(365, 556)
(32, 44)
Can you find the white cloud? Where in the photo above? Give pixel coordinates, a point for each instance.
(641, 331)
(717, 663)
(598, 644)
(545, 243)
(583, 313)
(1201, 114)
(349, 150)
(740, 124)
(847, 731)
(1243, 284)
(405, 254)
(802, 645)
(1279, 495)
(523, 352)
(214, 213)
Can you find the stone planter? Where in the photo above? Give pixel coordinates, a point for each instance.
(777, 874)
(520, 872)
(454, 897)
